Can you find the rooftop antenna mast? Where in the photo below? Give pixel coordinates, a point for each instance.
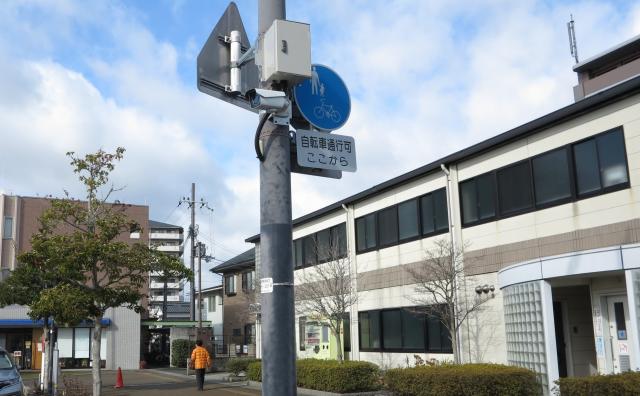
(573, 46)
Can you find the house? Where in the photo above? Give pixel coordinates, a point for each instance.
(239, 301)
(548, 214)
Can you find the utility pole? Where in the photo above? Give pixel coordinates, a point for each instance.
(278, 335)
(192, 233)
(201, 252)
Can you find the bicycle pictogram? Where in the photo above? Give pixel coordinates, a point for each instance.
(326, 111)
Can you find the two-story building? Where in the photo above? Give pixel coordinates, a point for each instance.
(240, 299)
(549, 218)
(120, 346)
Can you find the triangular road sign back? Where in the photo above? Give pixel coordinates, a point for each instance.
(214, 65)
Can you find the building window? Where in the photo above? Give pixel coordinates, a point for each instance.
(320, 247)
(211, 303)
(433, 212)
(237, 332)
(403, 329)
(388, 226)
(248, 281)
(339, 239)
(309, 249)
(323, 246)
(478, 198)
(599, 166)
(551, 177)
(346, 332)
(408, 224)
(230, 285)
(369, 330)
(366, 232)
(298, 261)
(7, 228)
(600, 163)
(514, 188)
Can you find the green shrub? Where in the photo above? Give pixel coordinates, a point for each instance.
(330, 375)
(180, 352)
(462, 379)
(605, 385)
(238, 365)
(254, 371)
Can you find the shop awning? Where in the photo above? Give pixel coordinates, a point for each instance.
(27, 323)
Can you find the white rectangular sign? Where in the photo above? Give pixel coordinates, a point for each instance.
(325, 151)
(266, 285)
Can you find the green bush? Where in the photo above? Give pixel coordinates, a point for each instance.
(462, 379)
(254, 371)
(238, 365)
(605, 385)
(180, 352)
(330, 375)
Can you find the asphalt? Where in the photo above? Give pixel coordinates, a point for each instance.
(151, 382)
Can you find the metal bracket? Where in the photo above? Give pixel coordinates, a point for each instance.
(283, 117)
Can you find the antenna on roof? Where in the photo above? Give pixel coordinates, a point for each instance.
(573, 46)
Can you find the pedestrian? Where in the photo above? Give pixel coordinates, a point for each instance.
(201, 360)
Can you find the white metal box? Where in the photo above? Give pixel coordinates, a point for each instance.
(286, 52)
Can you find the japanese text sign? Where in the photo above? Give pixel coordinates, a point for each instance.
(325, 151)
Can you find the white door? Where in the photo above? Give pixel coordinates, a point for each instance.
(619, 326)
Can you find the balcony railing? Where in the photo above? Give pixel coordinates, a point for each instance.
(165, 248)
(161, 298)
(160, 285)
(162, 235)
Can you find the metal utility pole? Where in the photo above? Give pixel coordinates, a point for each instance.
(201, 252)
(278, 349)
(192, 234)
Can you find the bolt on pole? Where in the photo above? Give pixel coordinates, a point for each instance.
(277, 330)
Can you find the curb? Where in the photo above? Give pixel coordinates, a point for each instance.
(312, 392)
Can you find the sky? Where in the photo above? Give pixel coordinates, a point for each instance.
(426, 78)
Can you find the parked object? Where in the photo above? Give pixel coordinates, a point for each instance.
(10, 379)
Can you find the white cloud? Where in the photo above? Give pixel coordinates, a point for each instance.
(426, 78)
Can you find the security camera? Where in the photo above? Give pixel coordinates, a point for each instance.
(268, 100)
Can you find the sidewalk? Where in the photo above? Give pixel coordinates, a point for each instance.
(161, 382)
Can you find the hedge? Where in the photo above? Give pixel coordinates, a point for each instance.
(605, 385)
(330, 375)
(238, 365)
(180, 352)
(462, 379)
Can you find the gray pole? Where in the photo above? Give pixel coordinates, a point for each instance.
(192, 231)
(278, 335)
(200, 249)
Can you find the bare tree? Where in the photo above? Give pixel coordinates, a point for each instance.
(326, 290)
(438, 280)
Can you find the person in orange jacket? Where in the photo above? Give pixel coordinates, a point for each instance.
(201, 360)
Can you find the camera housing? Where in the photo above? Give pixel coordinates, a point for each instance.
(270, 101)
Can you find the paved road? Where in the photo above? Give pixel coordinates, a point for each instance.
(159, 383)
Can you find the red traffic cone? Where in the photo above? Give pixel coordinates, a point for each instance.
(119, 383)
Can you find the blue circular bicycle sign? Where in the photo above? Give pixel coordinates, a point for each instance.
(323, 100)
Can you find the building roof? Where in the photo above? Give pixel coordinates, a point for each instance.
(157, 224)
(601, 99)
(211, 289)
(243, 260)
(620, 51)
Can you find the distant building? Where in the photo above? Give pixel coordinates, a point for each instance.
(239, 293)
(169, 239)
(121, 326)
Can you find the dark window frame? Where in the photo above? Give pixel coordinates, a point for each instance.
(226, 285)
(303, 251)
(500, 210)
(382, 348)
(572, 179)
(420, 235)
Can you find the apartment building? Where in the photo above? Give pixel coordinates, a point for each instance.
(18, 333)
(549, 216)
(169, 239)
